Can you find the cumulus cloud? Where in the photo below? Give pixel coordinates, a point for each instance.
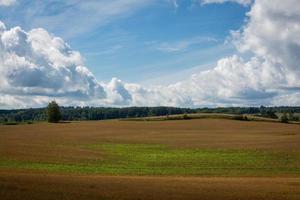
(243, 2)
(36, 67)
(233, 82)
(273, 33)
(7, 2)
(271, 73)
(36, 63)
(119, 95)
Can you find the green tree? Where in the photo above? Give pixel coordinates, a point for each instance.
(53, 112)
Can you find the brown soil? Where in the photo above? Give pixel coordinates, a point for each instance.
(29, 186)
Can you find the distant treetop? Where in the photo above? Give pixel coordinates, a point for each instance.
(53, 112)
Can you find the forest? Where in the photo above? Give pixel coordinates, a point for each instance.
(103, 113)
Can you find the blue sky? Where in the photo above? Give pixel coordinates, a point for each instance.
(185, 53)
(153, 41)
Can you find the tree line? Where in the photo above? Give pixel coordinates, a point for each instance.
(103, 113)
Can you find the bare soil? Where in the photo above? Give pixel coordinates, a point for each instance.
(30, 186)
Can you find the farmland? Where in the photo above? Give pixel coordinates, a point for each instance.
(211, 158)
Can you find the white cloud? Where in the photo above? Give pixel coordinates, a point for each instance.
(233, 82)
(272, 35)
(7, 2)
(36, 63)
(118, 94)
(36, 67)
(292, 99)
(243, 2)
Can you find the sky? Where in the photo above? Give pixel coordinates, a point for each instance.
(185, 53)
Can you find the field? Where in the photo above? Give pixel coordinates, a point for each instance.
(185, 159)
